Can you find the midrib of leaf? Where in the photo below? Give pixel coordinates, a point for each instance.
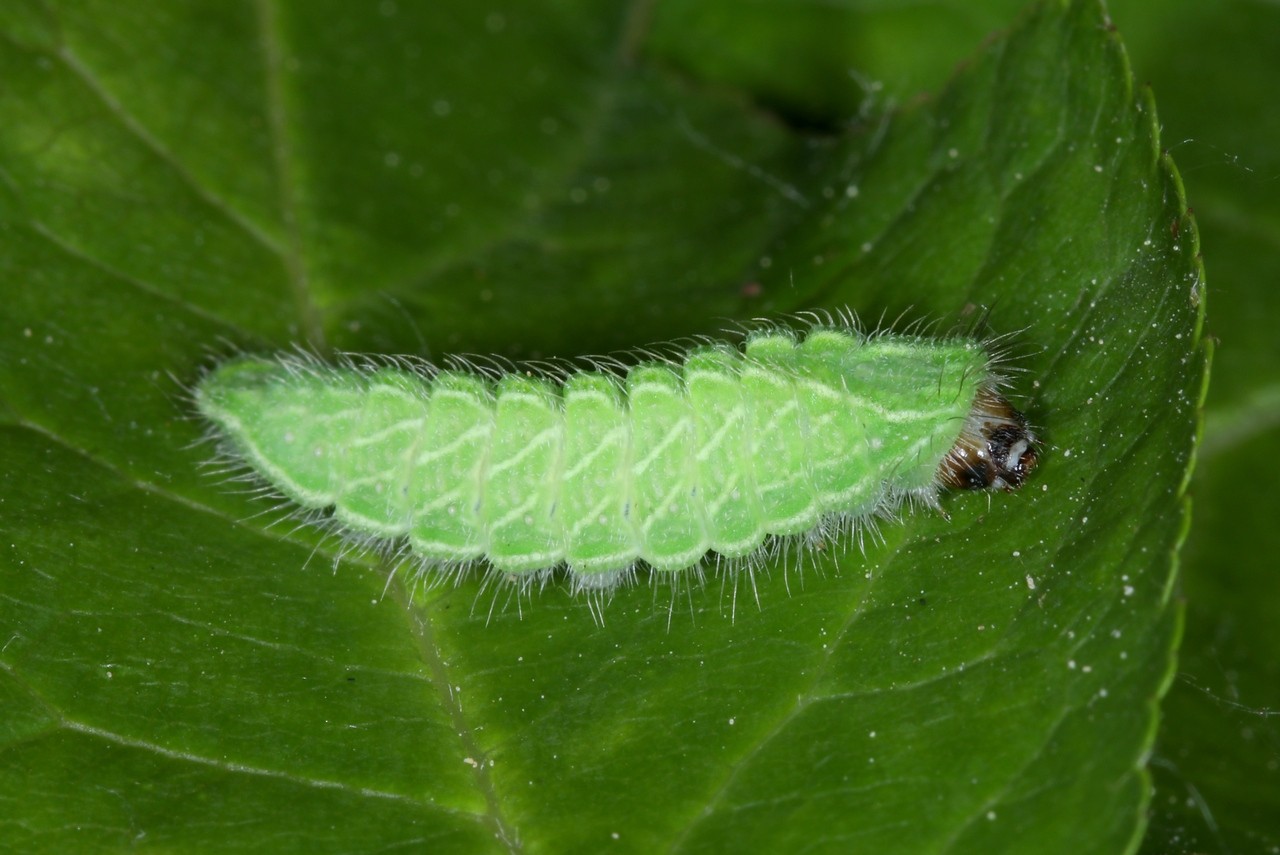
(271, 41)
(503, 827)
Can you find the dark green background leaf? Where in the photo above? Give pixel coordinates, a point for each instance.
(410, 177)
(1213, 65)
(1217, 763)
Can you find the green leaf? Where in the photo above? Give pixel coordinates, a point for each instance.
(1217, 763)
(179, 672)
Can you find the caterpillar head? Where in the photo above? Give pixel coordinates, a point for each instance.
(996, 450)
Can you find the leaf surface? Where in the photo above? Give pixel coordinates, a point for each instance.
(232, 175)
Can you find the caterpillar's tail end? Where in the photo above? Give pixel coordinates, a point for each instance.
(232, 382)
(996, 450)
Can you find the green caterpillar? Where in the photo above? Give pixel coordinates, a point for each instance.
(718, 448)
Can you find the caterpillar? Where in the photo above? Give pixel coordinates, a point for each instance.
(717, 448)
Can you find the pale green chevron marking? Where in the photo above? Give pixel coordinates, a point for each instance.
(665, 508)
(445, 490)
(779, 439)
(521, 480)
(594, 499)
(715, 451)
(735, 522)
(374, 475)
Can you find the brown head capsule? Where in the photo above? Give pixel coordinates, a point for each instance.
(996, 449)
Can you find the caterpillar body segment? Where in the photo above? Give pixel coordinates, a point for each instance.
(716, 450)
